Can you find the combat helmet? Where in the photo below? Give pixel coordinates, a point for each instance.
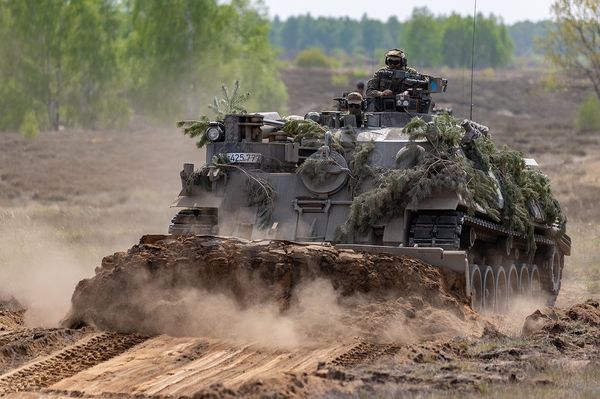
(354, 98)
(396, 57)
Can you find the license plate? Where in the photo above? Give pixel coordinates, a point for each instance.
(244, 157)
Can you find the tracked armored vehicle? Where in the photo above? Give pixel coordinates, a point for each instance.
(398, 177)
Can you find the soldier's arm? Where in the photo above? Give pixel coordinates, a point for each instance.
(373, 86)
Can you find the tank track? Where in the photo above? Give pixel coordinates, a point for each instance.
(500, 266)
(444, 229)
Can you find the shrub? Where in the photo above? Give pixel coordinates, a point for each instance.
(341, 58)
(314, 58)
(550, 82)
(488, 73)
(361, 73)
(588, 115)
(29, 127)
(340, 79)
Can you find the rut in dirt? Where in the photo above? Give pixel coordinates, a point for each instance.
(67, 362)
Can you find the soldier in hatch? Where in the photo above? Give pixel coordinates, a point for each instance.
(383, 83)
(355, 101)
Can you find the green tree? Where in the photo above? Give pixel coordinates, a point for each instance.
(525, 36)
(58, 60)
(574, 44)
(421, 39)
(588, 114)
(181, 50)
(314, 57)
(493, 47)
(429, 40)
(456, 41)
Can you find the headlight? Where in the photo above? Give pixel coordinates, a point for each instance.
(214, 133)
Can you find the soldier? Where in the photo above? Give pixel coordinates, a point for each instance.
(355, 101)
(383, 82)
(360, 88)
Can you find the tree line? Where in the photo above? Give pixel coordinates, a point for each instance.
(430, 40)
(91, 63)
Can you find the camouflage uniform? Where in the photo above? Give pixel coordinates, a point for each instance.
(383, 79)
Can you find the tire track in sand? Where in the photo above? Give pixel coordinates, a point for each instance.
(364, 352)
(78, 357)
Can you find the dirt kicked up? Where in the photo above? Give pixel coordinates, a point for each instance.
(192, 317)
(274, 293)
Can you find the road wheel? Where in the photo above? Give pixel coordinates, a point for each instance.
(524, 281)
(535, 282)
(513, 285)
(501, 290)
(476, 288)
(489, 290)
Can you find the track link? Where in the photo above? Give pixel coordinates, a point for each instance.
(444, 229)
(68, 362)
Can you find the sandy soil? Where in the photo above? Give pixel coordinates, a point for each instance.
(69, 198)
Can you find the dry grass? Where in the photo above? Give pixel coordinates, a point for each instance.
(581, 275)
(547, 380)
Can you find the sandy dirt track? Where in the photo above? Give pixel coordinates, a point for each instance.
(128, 366)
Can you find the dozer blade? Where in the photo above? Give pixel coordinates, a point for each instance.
(452, 260)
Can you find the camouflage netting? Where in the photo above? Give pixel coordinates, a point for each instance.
(447, 168)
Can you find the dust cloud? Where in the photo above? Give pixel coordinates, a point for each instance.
(267, 292)
(511, 323)
(314, 315)
(37, 268)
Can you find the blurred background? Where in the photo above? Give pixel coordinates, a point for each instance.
(90, 91)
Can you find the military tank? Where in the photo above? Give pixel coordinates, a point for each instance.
(390, 175)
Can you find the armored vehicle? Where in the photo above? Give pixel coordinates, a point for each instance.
(397, 177)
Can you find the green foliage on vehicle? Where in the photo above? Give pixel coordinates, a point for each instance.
(232, 102)
(446, 168)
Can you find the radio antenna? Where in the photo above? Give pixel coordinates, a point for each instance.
(473, 57)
